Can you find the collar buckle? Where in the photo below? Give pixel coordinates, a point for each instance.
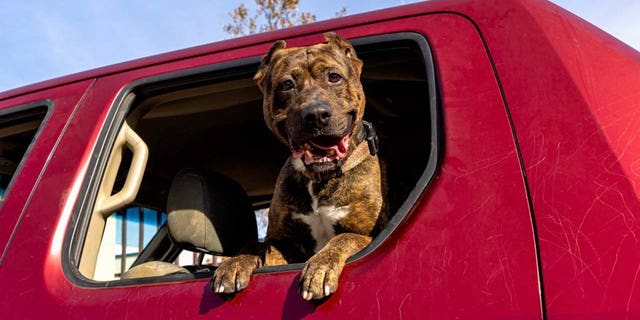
(371, 137)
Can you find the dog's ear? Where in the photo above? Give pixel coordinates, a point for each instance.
(345, 47)
(266, 61)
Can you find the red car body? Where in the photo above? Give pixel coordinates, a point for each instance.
(533, 212)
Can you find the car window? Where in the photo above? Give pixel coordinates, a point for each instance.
(17, 132)
(209, 122)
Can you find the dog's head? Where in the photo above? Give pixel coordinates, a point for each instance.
(313, 100)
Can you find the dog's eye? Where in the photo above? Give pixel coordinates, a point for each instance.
(286, 85)
(334, 77)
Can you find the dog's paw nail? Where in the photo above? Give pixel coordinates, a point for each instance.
(305, 295)
(238, 286)
(221, 289)
(326, 290)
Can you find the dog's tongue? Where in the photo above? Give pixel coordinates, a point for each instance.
(316, 152)
(339, 149)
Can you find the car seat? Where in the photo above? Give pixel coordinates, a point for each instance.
(208, 213)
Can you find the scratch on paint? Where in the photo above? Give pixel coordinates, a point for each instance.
(613, 268)
(584, 142)
(623, 215)
(633, 287)
(489, 163)
(507, 277)
(571, 253)
(477, 209)
(537, 163)
(381, 286)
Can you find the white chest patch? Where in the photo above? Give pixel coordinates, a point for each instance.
(297, 164)
(321, 220)
(321, 223)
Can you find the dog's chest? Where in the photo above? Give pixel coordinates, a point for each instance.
(321, 220)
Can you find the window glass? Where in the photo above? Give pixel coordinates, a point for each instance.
(262, 220)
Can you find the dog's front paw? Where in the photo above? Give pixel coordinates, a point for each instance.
(320, 275)
(233, 275)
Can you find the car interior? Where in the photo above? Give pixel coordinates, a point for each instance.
(211, 161)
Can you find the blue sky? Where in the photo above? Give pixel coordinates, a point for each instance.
(44, 39)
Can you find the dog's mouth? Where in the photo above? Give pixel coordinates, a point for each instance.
(322, 149)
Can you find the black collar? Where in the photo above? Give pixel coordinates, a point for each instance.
(368, 132)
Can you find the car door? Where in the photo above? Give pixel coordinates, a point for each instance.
(461, 244)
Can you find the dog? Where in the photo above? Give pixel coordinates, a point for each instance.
(328, 198)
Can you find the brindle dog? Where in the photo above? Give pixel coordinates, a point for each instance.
(327, 202)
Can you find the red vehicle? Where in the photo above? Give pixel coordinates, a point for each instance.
(510, 131)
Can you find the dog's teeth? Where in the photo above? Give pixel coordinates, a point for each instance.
(308, 156)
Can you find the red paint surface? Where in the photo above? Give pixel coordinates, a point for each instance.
(467, 248)
(575, 104)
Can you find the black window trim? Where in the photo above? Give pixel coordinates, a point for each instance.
(153, 85)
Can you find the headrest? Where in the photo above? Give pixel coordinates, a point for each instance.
(210, 213)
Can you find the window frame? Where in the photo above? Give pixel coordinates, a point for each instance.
(49, 105)
(172, 81)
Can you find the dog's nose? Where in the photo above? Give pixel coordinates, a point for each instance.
(316, 114)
